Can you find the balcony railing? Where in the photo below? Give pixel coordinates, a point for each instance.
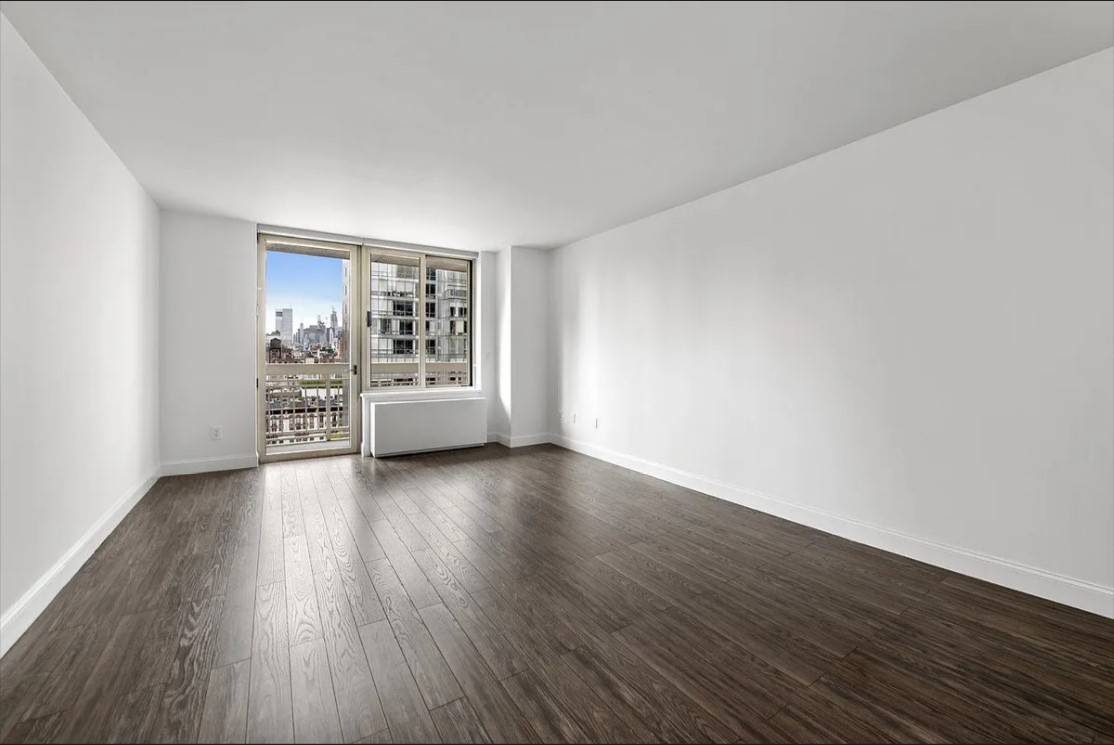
(302, 409)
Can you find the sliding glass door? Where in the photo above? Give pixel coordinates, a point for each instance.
(325, 309)
(308, 387)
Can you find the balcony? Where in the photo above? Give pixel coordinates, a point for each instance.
(306, 409)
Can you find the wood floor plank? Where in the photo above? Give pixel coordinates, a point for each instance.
(103, 699)
(380, 736)
(810, 718)
(516, 605)
(407, 716)
(234, 636)
(712, 688)
(563, 601)
(357, 582)
(42, 730)
(270, 715)
(435, 680)
(269, 567)
(239, 525)
(900, 719)
(224, 716)
(17, 696)
(604, 719)
(42, 651)
(290, 500)
(532, 640)
(495, 570)
(461, 568)
(500, 656)
(304, 617)
(921, 680)
(612, 580)
(362, 596)
(359, 511)
(994, 669)
(357, 701)
(500, 718)
(311, 691)
(457, 722)
(606, 608)
(65, 679)
(768, 640)
(830, 621)
(177, 715)
(542, 709)
(418, 588)
(667, 713)
(317, 535)
(655, 577)
(132, 719)
(363, 535)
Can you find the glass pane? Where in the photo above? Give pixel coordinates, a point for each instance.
(393, 334)
(448, 302)
(307, 302)
(305, 409)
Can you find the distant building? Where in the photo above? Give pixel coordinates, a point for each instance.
(313, 336)
(284, 325)
(278, 352)
(342, 343)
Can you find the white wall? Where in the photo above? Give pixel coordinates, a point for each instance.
(907, 341)
(207, 361)
(518, 406)
(529, 348)
(499, 350)
(78, 337)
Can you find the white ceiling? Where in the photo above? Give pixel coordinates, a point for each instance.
(481, 125)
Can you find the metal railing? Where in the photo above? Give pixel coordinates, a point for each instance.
(301, 409)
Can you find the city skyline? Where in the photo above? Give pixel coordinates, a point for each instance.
(310, 286)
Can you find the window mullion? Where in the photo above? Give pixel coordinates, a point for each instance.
(421, 320)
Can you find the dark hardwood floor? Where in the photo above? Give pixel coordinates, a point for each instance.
(529, 595)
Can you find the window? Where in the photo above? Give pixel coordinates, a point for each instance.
(434, 350)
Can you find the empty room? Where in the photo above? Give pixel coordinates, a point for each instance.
(586, 372)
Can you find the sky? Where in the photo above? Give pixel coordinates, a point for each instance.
(311, 285)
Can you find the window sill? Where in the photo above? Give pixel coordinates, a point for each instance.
(421, 394)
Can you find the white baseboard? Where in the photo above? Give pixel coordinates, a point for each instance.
(205, 465)
(24, 611)
(1059, 588)
(519, 441)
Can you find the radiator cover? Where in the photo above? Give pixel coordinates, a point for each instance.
(399, 427)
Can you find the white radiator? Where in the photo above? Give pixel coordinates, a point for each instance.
(397, 427)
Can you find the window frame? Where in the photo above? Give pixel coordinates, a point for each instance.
(272, 240)
(422, 388)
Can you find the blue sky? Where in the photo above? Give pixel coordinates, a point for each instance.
(311, 285)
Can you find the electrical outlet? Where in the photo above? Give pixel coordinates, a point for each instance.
(216, 432)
